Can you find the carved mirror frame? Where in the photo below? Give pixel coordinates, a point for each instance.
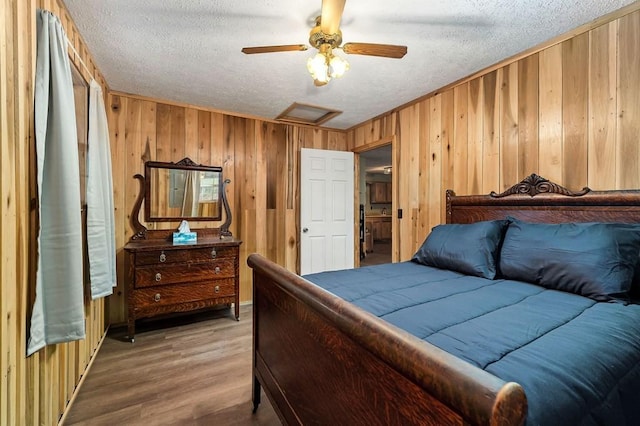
(140, 231)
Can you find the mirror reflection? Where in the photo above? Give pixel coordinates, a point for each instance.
(183, 193)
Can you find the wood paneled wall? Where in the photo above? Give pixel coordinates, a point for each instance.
(569, 112)
(260, 157)
(34, 390)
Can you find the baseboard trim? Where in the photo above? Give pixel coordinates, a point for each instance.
(85, 373)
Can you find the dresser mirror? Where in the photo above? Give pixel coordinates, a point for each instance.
(182, 191)
(173, 192)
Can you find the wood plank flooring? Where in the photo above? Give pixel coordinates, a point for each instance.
(190, 370)
(381, 254)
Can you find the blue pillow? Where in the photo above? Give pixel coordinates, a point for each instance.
(596, 260)
(466, 248)
(634, 292)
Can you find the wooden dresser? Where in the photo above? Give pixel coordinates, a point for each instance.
(165, 278)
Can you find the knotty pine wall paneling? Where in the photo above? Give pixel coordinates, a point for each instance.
(34, 390)
(474, 132)
(458, 140)
(628, 123)
(420, 222)
(447, 142)
(575, 60)
(527, 120)
(260, 158)
(434, 150)
(408, 161)
(509, 167)
(550, 114)
(602, 104)
(569, 112)
(490, 134)
(15, 134)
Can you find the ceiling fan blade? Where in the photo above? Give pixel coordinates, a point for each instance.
(331, 15)
(269, 49)
(372, 49)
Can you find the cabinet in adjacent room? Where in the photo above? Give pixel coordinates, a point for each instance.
(380, 193)
(380, 226)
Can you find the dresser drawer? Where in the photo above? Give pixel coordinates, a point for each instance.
(165, 278)
(163, 274)
(183, 255)
(182, 293)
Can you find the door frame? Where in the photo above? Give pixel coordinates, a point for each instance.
(387, 140)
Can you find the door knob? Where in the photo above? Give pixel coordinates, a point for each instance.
(305, 229)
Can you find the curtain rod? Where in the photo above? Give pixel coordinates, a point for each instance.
(80, 58)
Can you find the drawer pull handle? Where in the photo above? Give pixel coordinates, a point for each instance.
(163, 257)
(213, 253)
(158, 276)
(156, 297)
(217, 289)
(217, 270)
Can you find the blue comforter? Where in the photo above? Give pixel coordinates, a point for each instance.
(578, 360)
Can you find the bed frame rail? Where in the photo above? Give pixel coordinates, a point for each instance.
(322, 360)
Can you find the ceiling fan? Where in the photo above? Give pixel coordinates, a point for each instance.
(326, 36)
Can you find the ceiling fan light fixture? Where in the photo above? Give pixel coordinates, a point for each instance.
(325, 65)
(337, 66)
(318, 68)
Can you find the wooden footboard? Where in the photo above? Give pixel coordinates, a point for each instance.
(322, 360)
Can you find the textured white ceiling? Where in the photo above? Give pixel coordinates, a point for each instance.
(189, 50)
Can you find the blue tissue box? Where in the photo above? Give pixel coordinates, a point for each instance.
(185, 238)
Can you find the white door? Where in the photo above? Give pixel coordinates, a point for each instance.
(326, 211)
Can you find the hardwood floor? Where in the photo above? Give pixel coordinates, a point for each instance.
(381, 254)
(190, 370)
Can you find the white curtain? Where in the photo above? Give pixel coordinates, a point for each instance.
(58, 311)
(101, 240)
(190, 201)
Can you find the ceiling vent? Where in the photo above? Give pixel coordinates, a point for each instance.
(307, 114)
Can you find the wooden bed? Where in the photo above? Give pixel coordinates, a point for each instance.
(322, 360)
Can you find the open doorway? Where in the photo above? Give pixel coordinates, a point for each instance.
(376, 195)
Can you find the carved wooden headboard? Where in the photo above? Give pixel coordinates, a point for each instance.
(536, 199)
